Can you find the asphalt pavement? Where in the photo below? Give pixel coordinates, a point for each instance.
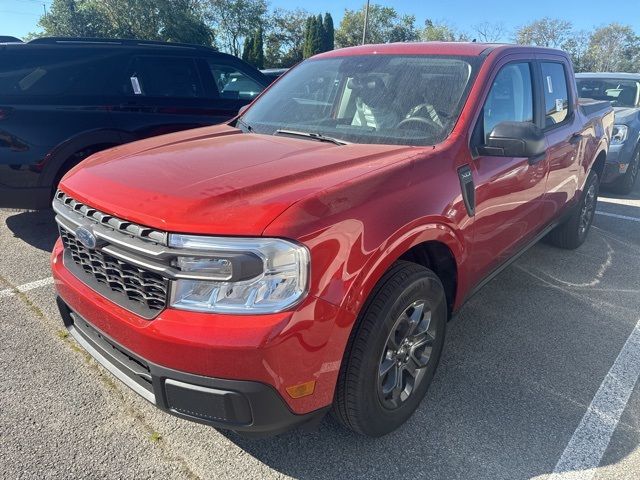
(537, 381)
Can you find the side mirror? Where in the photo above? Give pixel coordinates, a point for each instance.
(515, 139)
(243, 109)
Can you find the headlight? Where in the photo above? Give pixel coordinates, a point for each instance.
(619, 134)
(238, 275)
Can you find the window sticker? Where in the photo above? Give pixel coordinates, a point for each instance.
(549, 84)
(559, 104)
(135, 84)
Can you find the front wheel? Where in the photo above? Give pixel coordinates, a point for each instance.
(573, 232)
(394, 351)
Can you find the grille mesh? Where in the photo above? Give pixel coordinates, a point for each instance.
(136, 284)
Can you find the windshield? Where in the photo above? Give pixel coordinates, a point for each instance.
(621, 93)
(400, 100)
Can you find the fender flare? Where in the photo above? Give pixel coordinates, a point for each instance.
(391, 251)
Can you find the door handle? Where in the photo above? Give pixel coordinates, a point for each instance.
(537, 158)
(575, 138)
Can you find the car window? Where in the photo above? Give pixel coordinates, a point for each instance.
(68, 73)
(556, 97)
(173, 77)
(232, 83)
(510, 98)
(383, 99)
(621, 93)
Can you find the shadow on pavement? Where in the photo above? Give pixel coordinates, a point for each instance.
(37, 228)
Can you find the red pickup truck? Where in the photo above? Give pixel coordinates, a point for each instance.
(307, 255)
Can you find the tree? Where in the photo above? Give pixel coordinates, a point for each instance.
(285, 37)
(439, 32)
(258, 49)
(329, 33)
(489, 32)
(313, 39)
(166, 20)
(247, 49)
(73, 18)
(232, 20)
(545, 32)
(577, 46)
(385, 25)
(614, 48)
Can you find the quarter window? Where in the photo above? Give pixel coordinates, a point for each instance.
(556, 98)
(510, 98)
(232, 83)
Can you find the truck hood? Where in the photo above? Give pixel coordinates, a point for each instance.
(626, 115)
(217, 180)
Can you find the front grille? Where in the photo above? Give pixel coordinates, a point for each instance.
(140, 290)
(115, 223)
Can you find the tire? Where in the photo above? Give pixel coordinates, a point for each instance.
(573, 232)
(625, 184)
(408, 302)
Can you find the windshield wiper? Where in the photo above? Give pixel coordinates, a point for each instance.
(315, 136)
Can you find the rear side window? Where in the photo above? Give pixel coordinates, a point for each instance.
(556, 97)
(510, 98)
(232, 83)
(173, 77)
(51, 73)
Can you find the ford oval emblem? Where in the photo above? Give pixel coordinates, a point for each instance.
(86, 237)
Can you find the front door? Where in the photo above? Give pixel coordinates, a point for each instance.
(509, 191)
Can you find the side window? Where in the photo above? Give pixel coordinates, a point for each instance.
(52, 74)
(510, 98)
(232, 83)
(556, 98)
(172, 77)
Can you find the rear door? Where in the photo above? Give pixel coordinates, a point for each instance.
(509, 191)
(563, 132)
(156, 94)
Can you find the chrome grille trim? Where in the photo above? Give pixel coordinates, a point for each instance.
(136, 289)
(117, 224)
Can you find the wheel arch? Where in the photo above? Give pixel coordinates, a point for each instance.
(435, 246)
(68, 153)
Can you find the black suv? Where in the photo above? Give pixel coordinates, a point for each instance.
(62, 99)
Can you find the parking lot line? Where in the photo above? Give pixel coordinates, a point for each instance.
(7, 292)
(615, 215)
(590, 440)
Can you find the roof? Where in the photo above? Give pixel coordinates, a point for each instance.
(431, 48)
(113, 42)
(619, 75)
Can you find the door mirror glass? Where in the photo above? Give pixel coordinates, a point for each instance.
(514, 139)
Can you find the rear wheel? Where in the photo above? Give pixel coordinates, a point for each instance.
(394, 351)
(573, 232)
(626, 183)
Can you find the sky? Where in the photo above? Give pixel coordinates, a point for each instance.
(19, 17)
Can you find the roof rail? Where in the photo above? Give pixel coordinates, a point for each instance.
(9, 39)
(116, 41)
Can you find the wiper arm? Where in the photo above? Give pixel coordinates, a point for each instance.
(245, 125)
(315, 136)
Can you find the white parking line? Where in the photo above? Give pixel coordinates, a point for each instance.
(615, 215)
(7, 292)
(586, 447)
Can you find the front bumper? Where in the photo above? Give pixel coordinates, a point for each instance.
(232, 404)
(228, 353)
(618, 159)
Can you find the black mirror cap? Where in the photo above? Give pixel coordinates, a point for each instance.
(515, 139)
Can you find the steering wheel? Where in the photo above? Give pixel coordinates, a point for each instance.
(426, 121)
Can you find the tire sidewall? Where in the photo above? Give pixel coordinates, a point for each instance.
(381, 419)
